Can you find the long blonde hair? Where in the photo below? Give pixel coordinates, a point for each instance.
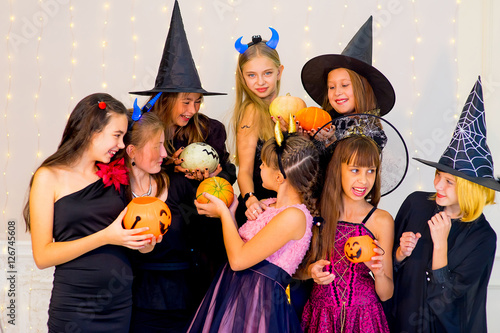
(245, 97)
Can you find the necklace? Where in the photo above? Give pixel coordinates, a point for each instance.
(147, 194)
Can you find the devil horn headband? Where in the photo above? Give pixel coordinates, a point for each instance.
(272, 43)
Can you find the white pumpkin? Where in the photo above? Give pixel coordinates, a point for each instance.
(199, 155)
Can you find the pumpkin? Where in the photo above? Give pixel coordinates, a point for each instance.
(285, 106)
(148, 212)
(359, 248)
(217, 186)
(199, 155)
(312, 117)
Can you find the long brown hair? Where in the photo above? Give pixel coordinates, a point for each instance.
(364, 97)
(147, 127)
(245, 97)
(84, 122)
(300, 161)
(196, 129)
(358, 150)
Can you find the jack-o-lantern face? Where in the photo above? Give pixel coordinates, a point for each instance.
(148, 212)
(359, 248)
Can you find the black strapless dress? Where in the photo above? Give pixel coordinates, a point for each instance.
(92, 293)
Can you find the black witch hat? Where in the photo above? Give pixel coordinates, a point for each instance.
(357, 56)
(177, 71)
(468, 155)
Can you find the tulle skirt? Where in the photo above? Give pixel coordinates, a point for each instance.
(252, 300)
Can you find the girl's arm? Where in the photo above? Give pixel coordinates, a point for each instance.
(381, 264)
(48, 253)
(246, 144)
(288, 225)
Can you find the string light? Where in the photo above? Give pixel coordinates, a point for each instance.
(37, 94)
(5, 114)
(72, 58)
(104, 44)
(134, 42)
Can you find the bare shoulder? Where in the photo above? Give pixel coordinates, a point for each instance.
(292, 219)
(383, 216)
(381, 224)
(46, 176)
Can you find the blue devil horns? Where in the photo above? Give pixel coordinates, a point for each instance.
(272, 43)
(137, 114)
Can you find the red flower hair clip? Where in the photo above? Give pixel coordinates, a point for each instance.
(102, 105)
(114, 173)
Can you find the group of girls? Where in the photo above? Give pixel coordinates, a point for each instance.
(108, 278)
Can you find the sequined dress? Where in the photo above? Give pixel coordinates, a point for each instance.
(349, 303)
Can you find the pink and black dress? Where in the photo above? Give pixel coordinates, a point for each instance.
(349, 303)
(254, 299)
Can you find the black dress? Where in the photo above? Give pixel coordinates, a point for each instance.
(450, 299)
(171, 280)
(92, 293)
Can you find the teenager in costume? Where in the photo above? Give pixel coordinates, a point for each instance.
(249, 294)
(74, 217)
(346, 296)
(444, 246)
(177, 97)
(179, 273)
(258, 79)
(162, 290)
(348, 83)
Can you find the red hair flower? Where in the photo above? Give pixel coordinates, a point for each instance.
(114, 173)
(102, 105)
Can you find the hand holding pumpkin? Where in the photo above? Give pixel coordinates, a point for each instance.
(319, 275)
(213, 208)
(376, 264)
(151, 245)
(115, 234)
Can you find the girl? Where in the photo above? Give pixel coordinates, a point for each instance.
(347, 83)
(72, 215)
(258, 77)
(162, 288)
(346, 298)
(445, 247)
(177, 97)
(249, 295)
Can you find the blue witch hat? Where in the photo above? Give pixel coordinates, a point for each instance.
(468, 155)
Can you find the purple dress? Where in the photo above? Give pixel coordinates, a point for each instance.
(349, 303)
(254, 299)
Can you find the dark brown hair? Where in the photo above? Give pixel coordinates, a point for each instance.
(84, 122)
(360, 151)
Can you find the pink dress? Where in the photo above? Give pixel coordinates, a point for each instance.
(349, 303)
(254, 299)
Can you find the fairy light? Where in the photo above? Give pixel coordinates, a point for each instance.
(307, 39)
(133, 20)
(5, 113)
(104, 45)
(37, 94)
(72, 58)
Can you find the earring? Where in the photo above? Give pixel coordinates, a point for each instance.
(133, 163)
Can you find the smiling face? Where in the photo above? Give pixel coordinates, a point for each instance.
(357, 181)
(185, 107)
(340, 92)
(261, 76)
(105, 144)
(446, 191)
(150, 157)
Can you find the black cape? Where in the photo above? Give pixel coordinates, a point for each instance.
(450, 299)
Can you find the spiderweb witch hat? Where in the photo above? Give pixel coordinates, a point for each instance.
(468, 155)
(177, 71)
(357, 56)
(392, 146)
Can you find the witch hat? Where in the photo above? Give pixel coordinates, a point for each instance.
(177, 71)
(357, 56)
(468, 155)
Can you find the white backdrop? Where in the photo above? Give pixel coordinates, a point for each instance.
(56, 52)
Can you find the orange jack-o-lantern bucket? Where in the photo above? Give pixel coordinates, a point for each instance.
(148, 212)
(359, 248)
